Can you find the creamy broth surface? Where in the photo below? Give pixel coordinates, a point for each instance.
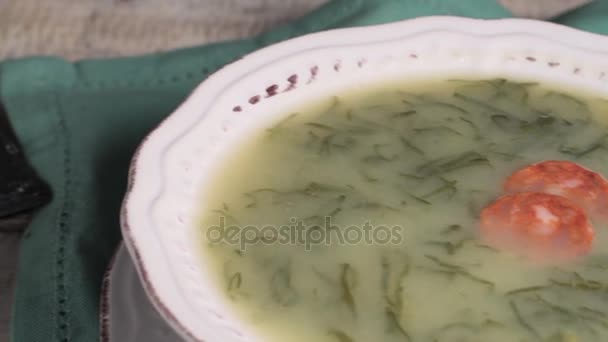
(393, 180)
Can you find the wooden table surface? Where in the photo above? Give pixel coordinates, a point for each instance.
(76, 29)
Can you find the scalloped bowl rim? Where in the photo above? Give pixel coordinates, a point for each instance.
(158, 219)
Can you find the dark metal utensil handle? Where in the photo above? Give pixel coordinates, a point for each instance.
(21, 189)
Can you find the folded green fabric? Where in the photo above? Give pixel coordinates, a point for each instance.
(80, 123)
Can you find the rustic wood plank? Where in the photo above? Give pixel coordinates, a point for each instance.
(14, 224)
(9, 249)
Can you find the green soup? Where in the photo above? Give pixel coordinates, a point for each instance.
(356, 218)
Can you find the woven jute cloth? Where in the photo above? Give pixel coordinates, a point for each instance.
(78, 29)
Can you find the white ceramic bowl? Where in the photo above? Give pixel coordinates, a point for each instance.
(173, 165)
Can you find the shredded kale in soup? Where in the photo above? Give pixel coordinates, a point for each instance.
(356, 218)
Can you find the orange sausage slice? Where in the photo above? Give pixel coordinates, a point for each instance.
(541, 226)
(581, 185)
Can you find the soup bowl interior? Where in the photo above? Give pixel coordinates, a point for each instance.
(177, 161)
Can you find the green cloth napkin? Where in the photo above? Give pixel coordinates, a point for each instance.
(80, 123)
